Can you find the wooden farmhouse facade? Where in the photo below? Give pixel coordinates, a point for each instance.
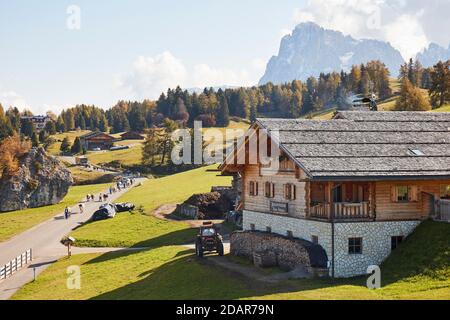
(97, 140)
(357, 185)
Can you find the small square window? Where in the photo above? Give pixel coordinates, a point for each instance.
(402, 194)
(315, 239)
(252, 227)
(355, 245)
(395, 242)
(268, 229)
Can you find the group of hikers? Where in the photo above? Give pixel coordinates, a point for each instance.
(102, 197)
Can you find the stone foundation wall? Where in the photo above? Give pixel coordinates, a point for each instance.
(288, 253)
(376, 244)
(300, 228)
(376, 238)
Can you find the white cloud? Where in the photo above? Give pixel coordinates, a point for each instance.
(150, 76)
(12, 98)
(408, 43)
(407, 25)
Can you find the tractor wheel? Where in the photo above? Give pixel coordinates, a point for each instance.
(198, 250)
(220, 249)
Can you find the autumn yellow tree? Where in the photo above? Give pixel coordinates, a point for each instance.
(11, 149)
(411, 98)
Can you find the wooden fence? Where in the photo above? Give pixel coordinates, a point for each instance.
(16, 264)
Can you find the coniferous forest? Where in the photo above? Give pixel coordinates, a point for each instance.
(215, 108)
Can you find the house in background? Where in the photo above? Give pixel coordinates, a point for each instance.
(357, 185)
(38, 122)
(132, 136)
(97, 140)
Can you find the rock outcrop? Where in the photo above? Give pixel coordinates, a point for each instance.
(41, 180)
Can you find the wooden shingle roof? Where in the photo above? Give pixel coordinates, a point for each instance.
(367, 145)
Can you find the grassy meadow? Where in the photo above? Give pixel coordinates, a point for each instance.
(143, 230)
(15, 222)
(413, 271)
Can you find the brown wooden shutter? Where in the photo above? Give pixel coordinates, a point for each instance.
(413, 193)
(394, 194)
(273, 190)
(294, 192)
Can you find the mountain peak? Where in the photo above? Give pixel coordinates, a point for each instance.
(312, 49)
(434, 53)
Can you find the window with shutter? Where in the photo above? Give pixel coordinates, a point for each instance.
(289, 192)
(269, 190)
(253, 188)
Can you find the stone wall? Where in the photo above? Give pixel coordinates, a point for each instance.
(289, 253)
(376, 238)
(376, 244)
(300, 228)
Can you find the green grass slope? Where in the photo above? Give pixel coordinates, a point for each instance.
(138, 230)
(418, 269)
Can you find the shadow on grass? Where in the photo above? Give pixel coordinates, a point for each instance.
(188, 278)
(175, 238)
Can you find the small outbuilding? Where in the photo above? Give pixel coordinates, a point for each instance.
(97, 140)
(132, 135)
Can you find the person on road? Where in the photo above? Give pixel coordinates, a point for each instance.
(66, 213)
(81, 207)
(100, 198)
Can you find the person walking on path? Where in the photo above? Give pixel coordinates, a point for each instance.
(100, 198)
(66, 213)
(81, 206)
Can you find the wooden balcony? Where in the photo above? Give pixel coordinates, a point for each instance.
(341, 211)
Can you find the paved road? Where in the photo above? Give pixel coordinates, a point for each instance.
(44, 239)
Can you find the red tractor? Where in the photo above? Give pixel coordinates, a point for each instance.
(208, 240)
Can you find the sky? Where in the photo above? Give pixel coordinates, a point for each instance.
(57, 53)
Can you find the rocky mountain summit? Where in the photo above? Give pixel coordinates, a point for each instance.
(311, 49)
(41, 180)
(434, 53)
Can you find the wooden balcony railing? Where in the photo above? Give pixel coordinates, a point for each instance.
(341, 211)
(348, 211)
(320, 210)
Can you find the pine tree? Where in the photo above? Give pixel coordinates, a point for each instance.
(50, 127)
(440, 84)
(253, 114)
(77, 146)
(27, 128)
(34, 140)
(6, 128)
(60, 125)
(65, 145)
(223, 113)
